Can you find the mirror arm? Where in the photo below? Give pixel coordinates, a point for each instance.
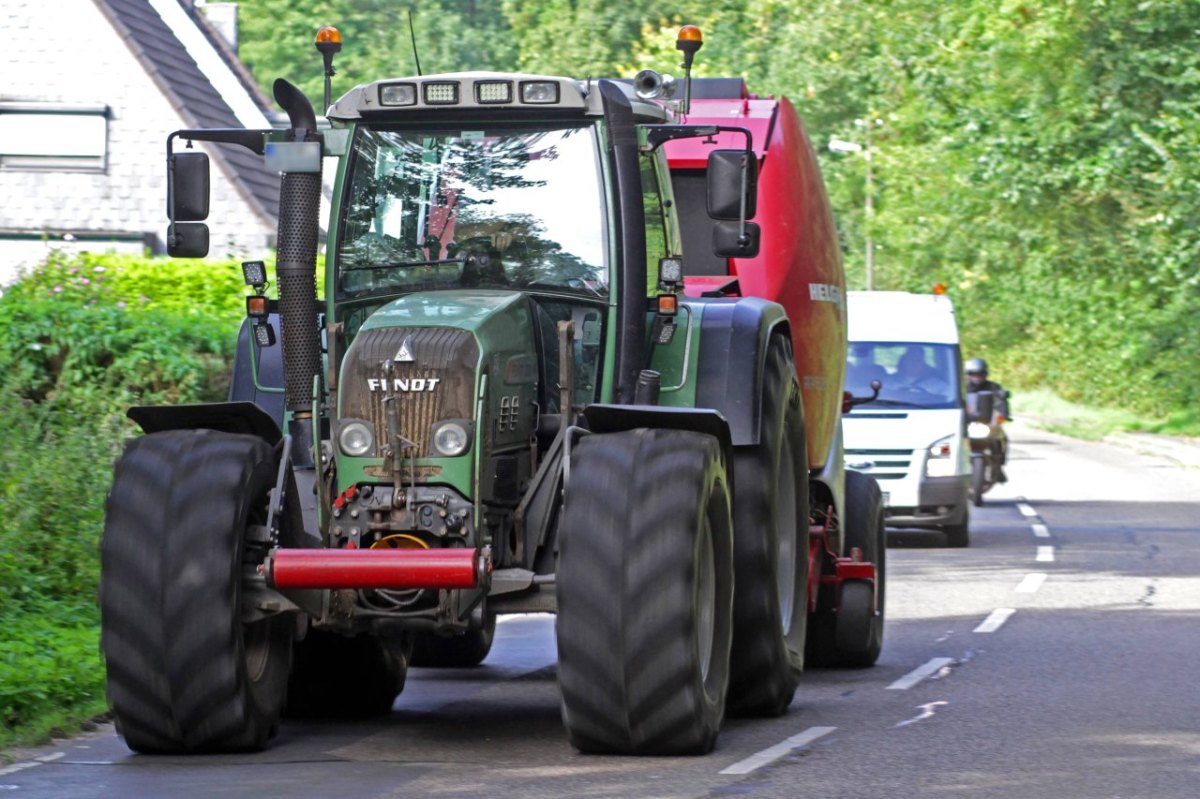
(252, 139)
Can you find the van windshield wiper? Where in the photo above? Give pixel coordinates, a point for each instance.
(895, 403)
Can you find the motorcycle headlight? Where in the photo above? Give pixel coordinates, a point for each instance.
(356, 438)
(450, 438)
(938, 460)
(978, 430)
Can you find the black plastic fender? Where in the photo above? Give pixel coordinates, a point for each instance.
(733, 349)
(603, 418)
(270, 372)
(228, 417)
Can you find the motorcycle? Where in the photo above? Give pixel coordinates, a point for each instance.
(988, 441)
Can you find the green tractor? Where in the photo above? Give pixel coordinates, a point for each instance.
(506, 403)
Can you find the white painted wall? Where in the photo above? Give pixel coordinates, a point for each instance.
(66, 51)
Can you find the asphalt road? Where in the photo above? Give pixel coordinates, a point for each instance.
(1055, 657)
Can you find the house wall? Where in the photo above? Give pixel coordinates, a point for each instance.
(66, 51)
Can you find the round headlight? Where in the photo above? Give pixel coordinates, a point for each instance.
(356, 439)
(978, 430)
(450, 439)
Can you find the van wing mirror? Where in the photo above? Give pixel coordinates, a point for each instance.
(732, 185)
(187, 187)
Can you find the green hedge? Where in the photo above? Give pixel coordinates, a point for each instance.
(85, 338)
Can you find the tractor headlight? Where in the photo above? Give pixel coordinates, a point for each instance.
(356, 438)
(450, 438)
(939, 460)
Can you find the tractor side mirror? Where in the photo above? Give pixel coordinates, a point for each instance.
(187, 187)
(187, 204)
(187, 240)
(732, 185)
(730, 240)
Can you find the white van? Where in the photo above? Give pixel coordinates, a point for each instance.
(912, 436)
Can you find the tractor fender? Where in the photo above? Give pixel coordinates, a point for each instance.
(228, 417)
(733, 351)
(604, 418)
(267, 391)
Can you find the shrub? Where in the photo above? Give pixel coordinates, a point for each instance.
(86, 337)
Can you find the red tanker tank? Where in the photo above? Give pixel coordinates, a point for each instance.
(799, 264)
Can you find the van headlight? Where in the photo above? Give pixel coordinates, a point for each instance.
(451, 438)
(356, 438)
(939, 460)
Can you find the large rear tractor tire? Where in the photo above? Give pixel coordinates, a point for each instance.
(859, 637)
(454, 652)
(185, 674)
(645, 593)
(770, 545)
(338, 676)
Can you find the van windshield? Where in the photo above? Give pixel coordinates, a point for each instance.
(911, 375)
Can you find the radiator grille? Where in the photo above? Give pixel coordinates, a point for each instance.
(448, 356)
(882, 464)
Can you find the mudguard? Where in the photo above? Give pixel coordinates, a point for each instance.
(244, 418)
(733, 339)
(242, 387)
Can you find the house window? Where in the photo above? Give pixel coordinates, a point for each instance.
(53, 136)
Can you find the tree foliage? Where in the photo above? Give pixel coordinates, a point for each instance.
(1037, 156)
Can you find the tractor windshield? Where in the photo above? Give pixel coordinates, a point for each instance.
(504, 208)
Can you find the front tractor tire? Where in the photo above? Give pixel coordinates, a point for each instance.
(645, 593)
(770, 519)
(185, 674)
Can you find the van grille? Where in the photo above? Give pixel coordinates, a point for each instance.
(882, 464)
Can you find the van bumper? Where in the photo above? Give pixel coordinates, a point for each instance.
(940, 501)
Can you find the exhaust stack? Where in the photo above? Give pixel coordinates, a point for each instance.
(296, 271)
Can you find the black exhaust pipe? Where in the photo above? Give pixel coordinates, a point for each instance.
(296, 271)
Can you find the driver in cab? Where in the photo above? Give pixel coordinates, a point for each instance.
(912, 372)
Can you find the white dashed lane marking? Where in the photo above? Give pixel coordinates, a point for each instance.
(995, 621)
(773, 753)
(916, 675)
(1031, 583)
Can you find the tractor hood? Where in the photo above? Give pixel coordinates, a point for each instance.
(438, 354)
(474, 311)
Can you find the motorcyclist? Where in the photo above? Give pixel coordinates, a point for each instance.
(977, 380)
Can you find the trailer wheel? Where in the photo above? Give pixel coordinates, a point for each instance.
(770, 545)
(859, 637)
(645, 593)
(454, 652)
(339, 676)
(185, 674)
